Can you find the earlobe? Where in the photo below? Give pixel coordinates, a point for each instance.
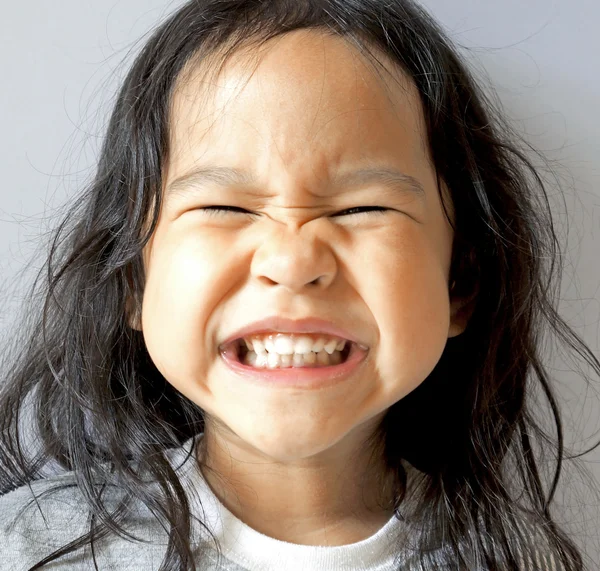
(461, 310)
(132, 316)
(458, 320)
(132, 307)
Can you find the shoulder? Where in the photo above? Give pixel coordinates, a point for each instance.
(38, 518)
(59, 494)
(36, 522)
(56, 500)
(47, 515)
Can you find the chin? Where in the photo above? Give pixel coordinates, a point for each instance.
(287, 446)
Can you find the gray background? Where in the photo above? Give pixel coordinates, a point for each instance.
(61, 63)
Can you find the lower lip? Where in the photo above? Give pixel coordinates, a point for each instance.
(297, 377)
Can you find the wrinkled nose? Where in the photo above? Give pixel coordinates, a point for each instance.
(294, 261)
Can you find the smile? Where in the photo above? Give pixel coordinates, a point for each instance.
(282, 350)
(295, 370)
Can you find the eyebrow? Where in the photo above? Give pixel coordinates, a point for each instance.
(230, 176)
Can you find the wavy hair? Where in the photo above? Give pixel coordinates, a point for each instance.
(472, 440)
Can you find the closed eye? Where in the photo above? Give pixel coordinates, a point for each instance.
(364, 209)
(220, 210)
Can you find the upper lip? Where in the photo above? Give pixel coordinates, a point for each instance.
(284, 325)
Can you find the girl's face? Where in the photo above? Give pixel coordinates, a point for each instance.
(311, 112)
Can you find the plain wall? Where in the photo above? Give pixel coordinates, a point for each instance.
(60, 68)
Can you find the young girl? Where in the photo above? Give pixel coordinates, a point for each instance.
(294, 321)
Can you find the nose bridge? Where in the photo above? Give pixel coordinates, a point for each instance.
(294, 254)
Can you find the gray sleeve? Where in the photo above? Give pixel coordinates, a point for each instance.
(28, 534)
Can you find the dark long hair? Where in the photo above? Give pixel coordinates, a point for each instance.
(469, 429)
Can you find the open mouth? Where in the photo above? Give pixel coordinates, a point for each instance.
(276, 361)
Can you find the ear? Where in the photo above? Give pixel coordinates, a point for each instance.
(132, 311)
(461, 310)
(132, 315)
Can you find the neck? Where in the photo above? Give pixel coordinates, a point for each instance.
(310, 501)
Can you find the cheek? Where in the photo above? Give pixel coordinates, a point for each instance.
(183, 284)
(406, 292)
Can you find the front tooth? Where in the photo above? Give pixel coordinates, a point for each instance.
(284, 345)
(330, 346)
(303, 345)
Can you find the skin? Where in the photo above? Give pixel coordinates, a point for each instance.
(293, 464)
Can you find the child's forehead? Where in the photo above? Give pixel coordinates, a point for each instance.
(305, 88)
(306, 54)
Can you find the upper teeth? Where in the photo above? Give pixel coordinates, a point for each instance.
(284, 344)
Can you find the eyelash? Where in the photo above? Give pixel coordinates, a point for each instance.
(221, 210)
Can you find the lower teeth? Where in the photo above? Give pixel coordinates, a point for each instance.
(275, 361)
